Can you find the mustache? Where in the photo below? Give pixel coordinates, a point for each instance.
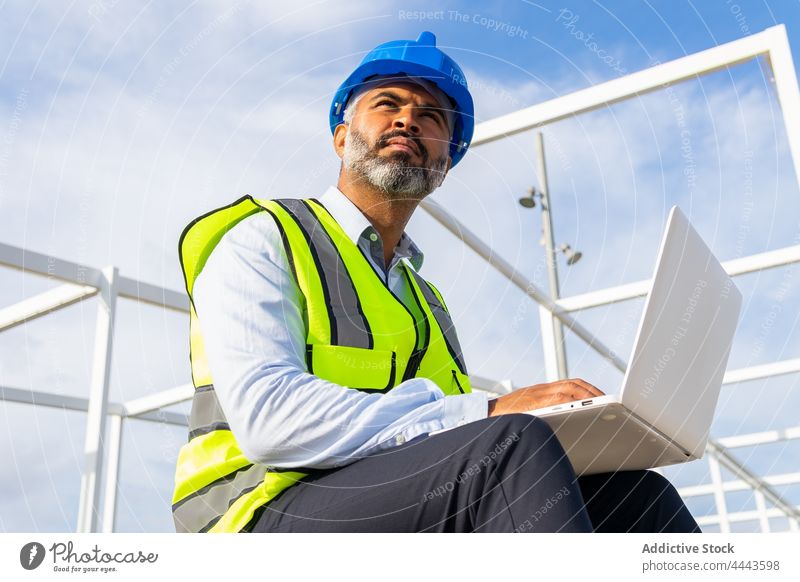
(384, 141)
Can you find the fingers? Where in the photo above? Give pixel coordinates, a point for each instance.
(566, 390)
(593, 390)
(574, 387)
(543, 395)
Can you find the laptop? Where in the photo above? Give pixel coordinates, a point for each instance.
(663, 413)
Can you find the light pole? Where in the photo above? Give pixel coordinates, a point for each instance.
(548, 240)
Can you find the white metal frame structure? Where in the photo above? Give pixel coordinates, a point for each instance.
(105, 419)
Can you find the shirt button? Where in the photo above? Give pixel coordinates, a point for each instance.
(373, 237)
(399, 439)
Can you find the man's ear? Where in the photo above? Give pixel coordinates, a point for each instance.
(339, 137)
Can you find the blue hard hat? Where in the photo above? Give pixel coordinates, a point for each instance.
(421, 59)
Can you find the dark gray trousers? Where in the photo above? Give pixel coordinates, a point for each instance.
(501, 474)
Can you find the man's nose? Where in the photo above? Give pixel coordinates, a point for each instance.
(406, 119)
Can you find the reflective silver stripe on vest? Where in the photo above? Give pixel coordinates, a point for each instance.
(197, 511)
(206, 415)
(349, 326)
(442, 318)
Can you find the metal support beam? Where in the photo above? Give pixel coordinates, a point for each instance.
(756, 483)
(780, 58)
(740, 266)
(29, 261)
(761, 514)
(98, 404)
(741, 516)
(739, 485)
(49, 266)
(653, 79)
(770, 370)
(159, 400)
(761, 508)
(556, 357)
(719, 495)
(152, 295)
(495, 387)
(547, 324)
(43, 303)
(112, 473)
(63, 402)
(760, 438)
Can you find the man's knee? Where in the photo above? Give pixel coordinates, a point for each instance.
(615, 491)
(664, 505)
(642, 482)
(651, 488)
(654, 485)
(638, 501)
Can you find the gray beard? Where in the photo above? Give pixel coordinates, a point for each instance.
(393, 175)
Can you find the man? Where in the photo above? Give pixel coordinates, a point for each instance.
(333, 360)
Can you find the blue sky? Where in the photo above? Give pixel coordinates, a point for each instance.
(120, 123)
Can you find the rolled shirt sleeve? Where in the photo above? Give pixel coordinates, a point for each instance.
(252, 317)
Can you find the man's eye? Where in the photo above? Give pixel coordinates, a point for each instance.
(384, 102)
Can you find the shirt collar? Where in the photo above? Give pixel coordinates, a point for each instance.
(356, 225)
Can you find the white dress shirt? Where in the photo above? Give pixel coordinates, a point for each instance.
(253, 320)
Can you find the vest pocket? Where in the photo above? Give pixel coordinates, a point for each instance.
(358, 368)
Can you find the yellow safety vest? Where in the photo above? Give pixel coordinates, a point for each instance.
(360, 335)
